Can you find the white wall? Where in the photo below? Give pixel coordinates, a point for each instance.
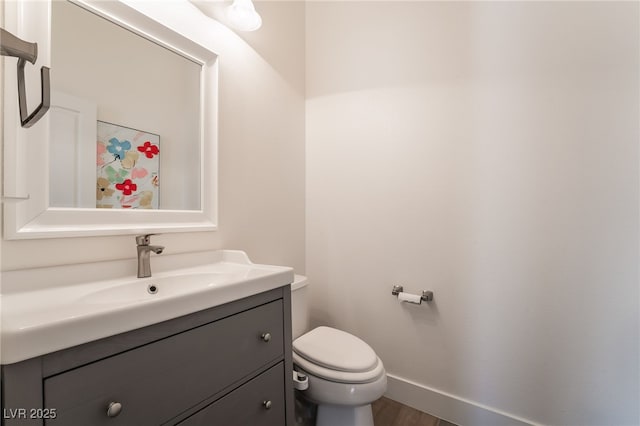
(261, 151)
(489, 152)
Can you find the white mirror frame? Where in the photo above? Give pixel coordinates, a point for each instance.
(27, 214)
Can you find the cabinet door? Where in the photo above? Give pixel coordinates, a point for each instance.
(156, 382)
(260, 402)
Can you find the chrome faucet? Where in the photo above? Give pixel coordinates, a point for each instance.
(144, 251)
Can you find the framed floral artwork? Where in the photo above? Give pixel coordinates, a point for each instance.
(128, 162)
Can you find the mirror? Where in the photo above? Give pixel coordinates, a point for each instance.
(140, 102)
(130, 139)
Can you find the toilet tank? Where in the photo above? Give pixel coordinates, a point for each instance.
(299, 305)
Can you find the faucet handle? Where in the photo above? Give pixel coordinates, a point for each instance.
(143, 240)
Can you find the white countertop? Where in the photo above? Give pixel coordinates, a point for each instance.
(41, 314)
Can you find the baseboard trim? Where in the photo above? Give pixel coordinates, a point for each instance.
(449, 407)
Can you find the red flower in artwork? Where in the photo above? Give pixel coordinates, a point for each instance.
(127, 187)
(148, 149)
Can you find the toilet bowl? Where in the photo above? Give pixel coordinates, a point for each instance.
(344, 373)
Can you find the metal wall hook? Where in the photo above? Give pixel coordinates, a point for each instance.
(11, 45)
(27, 120)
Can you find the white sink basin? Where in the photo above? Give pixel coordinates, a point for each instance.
(151, 289)
(39, 319)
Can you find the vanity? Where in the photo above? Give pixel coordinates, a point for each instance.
(228, 364)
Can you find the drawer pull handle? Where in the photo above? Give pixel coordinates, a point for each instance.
(266, 404)
(114, 409)
(266, 337)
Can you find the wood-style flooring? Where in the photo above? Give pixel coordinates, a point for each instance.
(387, 412)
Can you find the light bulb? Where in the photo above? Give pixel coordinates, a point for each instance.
(242, 16)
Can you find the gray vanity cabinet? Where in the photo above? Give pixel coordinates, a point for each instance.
(223, 366)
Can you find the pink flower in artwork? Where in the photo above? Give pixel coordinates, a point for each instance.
(127, 203)
(138, 173)
(127, 187)
(149, 149)
(101, 150)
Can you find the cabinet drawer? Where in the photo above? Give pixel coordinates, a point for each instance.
(248, 404)
(156, 382)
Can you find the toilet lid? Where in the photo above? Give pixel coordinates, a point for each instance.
(336, 350)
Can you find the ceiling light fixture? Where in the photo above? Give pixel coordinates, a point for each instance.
(242, 16)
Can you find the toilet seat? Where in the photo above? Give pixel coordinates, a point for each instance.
(336, 356)
(339, 376)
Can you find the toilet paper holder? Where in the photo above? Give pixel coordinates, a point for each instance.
(426, 296)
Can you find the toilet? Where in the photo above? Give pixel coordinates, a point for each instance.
(344, 373)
